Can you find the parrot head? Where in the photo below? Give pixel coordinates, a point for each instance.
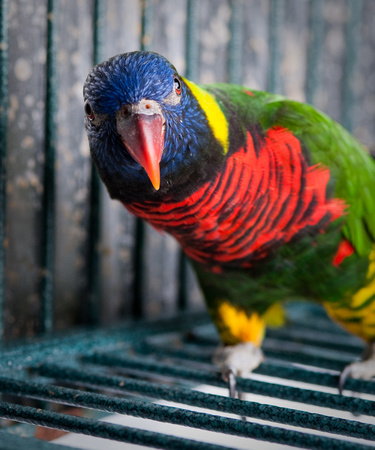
(146, 128)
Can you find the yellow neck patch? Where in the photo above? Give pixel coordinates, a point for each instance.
(216, 119)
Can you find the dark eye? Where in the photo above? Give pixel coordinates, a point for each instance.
(89, 111)
(177, 86)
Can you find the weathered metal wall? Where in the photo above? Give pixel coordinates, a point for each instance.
(319, 51)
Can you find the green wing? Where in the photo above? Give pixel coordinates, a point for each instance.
(352, 168)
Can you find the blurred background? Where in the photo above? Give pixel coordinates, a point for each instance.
(70, 255)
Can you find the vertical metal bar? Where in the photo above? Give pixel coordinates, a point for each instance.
(92, 312)
(192, 73)
(276, 19)
(147, 25)
(353, 41)
(99, 23)
(236, 42)
(192, 40)
(4, 65)
(315, 46)
(48, 214)
(182, 293)
(138, 296)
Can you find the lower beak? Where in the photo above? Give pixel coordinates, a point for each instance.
(143, 136)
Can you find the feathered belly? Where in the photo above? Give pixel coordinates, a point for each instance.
(356, 312)
(262, 198)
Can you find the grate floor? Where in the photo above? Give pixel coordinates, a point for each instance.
(153, 385)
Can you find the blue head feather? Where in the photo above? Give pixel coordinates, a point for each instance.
(127, 79)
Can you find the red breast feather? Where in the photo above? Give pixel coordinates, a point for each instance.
(259, 201)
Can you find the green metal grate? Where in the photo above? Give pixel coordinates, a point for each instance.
(133, 370)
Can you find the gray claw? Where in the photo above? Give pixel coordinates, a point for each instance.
(364, 369)
(345, 374)
(230, 377)
(236, 360)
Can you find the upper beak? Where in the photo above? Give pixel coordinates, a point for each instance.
(141, 128)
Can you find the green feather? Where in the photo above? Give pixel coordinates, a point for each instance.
(352, 169)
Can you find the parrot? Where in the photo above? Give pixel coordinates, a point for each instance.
(270, 199)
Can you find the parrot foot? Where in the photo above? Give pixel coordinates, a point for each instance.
(364, 369)
(237, 360)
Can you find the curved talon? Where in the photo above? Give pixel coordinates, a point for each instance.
(236, 360)
(364, 369)
(230, 377)
(345, 374)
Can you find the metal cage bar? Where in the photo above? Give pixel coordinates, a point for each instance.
(315, 45)
(353, 42)
(98, 376)
(93, 255)
(27, 414)
(276, 18)
(192, 73)
(179, 416)
(4, 65)
(48, 213)
(236, 42)
(192, 40)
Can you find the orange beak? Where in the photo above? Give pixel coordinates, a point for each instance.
(142, 133)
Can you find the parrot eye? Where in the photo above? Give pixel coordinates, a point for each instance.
(89, 111)
(177, 86)
(174, 97)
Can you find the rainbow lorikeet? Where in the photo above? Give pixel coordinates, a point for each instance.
(269, 198)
